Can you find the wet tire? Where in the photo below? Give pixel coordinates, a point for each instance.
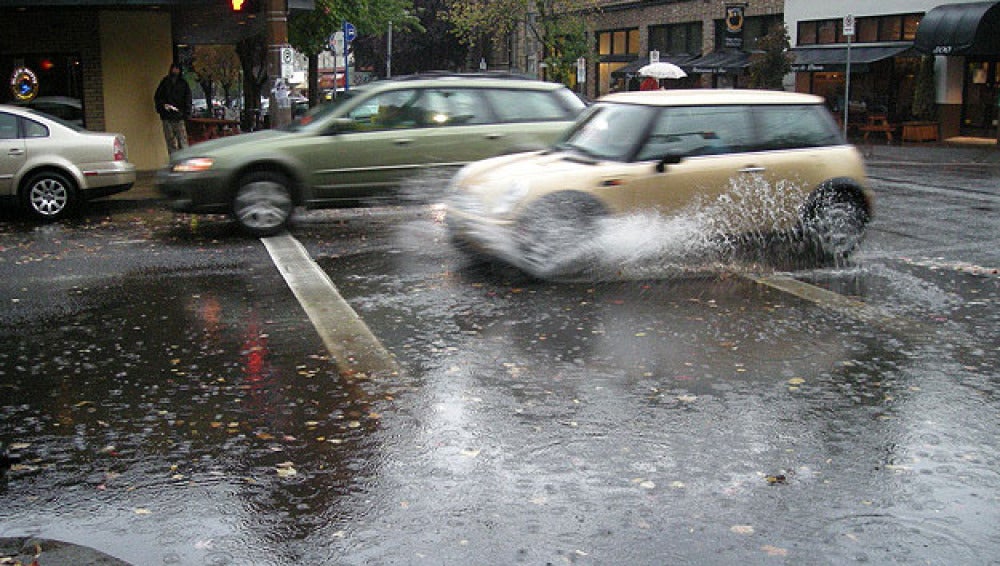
(263, 203)
(834, 223)
(49, 196)
(553, 232)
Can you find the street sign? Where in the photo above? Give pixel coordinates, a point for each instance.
(581, 70)
(287, 62)
(654, 56)
(849, 24)
(350, 32)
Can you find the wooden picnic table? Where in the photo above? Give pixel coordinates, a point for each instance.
(203, 129)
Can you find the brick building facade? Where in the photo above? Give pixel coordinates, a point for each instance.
(650, 24)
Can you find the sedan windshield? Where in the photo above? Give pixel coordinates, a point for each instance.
(610, 131)
(318, 114)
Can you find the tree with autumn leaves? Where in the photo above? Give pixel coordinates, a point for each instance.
(559, 27)
(310, 30)
(216, 66)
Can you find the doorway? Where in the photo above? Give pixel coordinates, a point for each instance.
(980, 99)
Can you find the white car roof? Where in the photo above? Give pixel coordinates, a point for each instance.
(707, 96)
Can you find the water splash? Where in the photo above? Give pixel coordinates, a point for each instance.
(751, 226)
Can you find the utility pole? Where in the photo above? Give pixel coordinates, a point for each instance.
(277, 39)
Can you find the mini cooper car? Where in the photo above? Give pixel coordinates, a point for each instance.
(359, 149)
(665, 152)
(50, 166)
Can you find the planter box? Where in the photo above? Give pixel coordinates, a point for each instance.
(920, 131)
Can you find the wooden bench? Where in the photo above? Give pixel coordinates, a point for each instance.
(878, 123)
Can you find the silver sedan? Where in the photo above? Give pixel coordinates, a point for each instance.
(49, 166)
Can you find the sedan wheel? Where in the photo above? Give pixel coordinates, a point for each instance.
(49, 196)
(263, 204)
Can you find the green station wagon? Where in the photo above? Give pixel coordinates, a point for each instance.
(359, 149)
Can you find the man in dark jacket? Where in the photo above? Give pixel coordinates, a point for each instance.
(173, 104)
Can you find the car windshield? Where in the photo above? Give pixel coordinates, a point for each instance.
(317, 114)
(609, 131)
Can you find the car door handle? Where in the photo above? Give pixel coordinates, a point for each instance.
(753, 169)
(15, 151)
(403, 141)
(494, 136)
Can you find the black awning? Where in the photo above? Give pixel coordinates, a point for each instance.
(820, 59)
(961, 29)
(719, 62)
(633, 67)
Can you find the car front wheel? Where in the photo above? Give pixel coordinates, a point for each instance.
(834, 221)
(49, 196)
(552, 234)
(263, 203)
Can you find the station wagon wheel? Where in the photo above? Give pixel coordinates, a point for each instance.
(553, 232)
(263, 203)
(834, 221)
(49, 196)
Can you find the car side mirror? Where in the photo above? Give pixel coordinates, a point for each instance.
(668, 159)
(341, 125)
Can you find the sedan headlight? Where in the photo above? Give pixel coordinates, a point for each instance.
(517, 191)
(194, 165)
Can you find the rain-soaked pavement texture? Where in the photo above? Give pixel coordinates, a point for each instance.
(182, 412)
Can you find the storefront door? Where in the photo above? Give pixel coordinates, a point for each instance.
(979, 102)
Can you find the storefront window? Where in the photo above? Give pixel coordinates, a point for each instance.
(60, 84)
(618, 42)
(827, 32)
(676, 38)
(910, 24)
(866, 30)
(892, 29)
(807, 33)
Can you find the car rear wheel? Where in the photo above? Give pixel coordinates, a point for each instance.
(834, 221)
(263, 203)
(551, 235)
(49, 196)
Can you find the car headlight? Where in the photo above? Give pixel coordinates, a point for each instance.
(194, 165)
(517, 191)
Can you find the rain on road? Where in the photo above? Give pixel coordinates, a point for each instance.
(174, 405)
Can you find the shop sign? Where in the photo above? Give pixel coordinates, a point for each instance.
(734, 26)
(24, 84)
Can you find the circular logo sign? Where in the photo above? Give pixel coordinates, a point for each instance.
(24, 84)
(734, 19)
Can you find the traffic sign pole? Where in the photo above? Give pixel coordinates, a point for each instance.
(848, 30)
(350, 32)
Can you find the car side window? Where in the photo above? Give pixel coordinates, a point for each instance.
(785, 127)
(698, 130)
(512, 105)
(455, 107)
(8, 126)
(389, 110)
(33, 129)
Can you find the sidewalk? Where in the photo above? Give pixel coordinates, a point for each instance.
(954, 151)
(143, 190)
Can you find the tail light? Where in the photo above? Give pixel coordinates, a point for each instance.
(120, 153)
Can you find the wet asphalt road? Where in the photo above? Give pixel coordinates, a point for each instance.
(173, 405)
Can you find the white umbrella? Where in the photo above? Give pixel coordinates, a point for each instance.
(662, 70)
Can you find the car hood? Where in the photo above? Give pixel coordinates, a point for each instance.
(538, 168)
(538, 173)
(216, 145)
